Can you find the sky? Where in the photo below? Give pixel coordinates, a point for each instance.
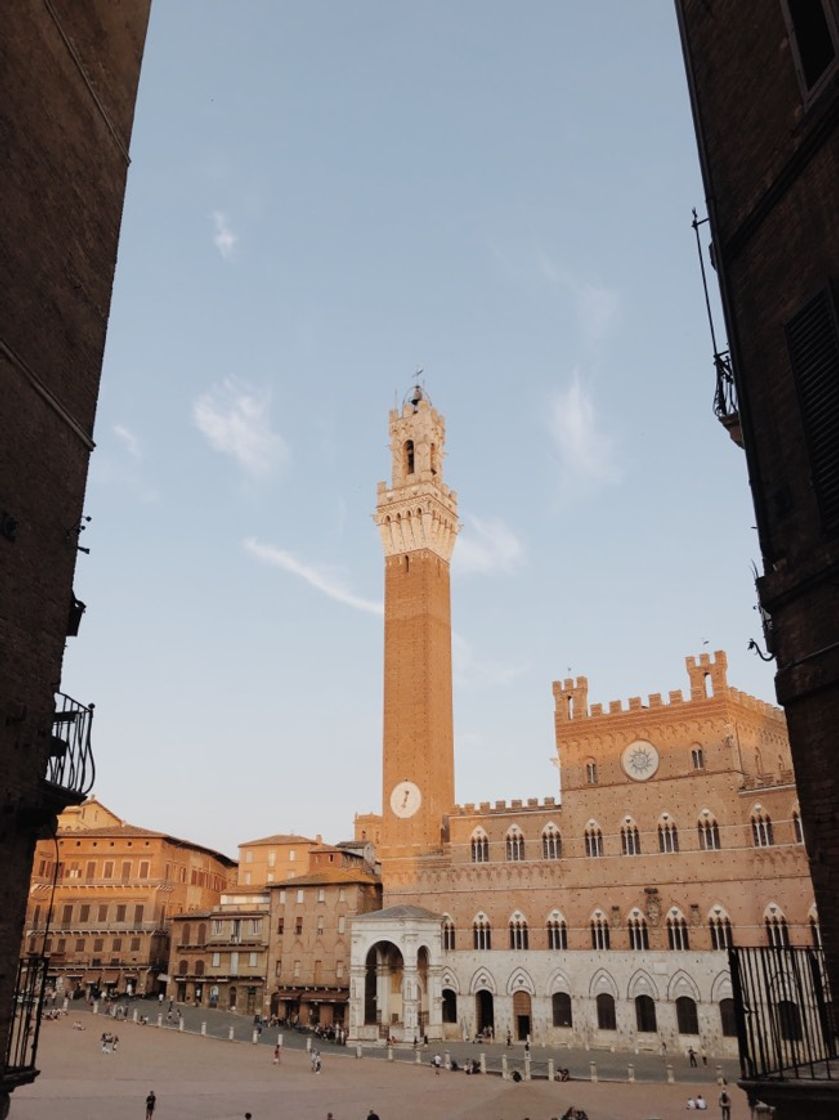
(325, 197)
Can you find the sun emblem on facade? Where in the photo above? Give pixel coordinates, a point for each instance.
(640, 760)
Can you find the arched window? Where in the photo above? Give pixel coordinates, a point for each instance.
(606, 1019)
(645, 1015)
(515, 845)
(728, 1018)
(630, 839)
(719, 926)
(762, 835)
(185, 933)
(668, 835)
(639, 934)
(434, 458)
(709, 832)
(677, 931)
(518, 932)
(551, 842)
(409, 456)
(599, 931)
(448, 934)
(199, 968)
(557, 931)
(797, 830)
(594, 840)
(777, 930)
(183, 968)
(449, 1005)
(686, 1016)
(481, 933)
(697, 758)
(561, 1002)
(480, 846)
(591, 772)
(202, 934)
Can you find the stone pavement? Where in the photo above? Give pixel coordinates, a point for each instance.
(199, 1078)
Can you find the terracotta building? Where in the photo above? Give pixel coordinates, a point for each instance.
(601, 914)
(273, 858)
(65, 160)
(105, 926)
(766, 117)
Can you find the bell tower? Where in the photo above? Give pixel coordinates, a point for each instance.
(417, 518)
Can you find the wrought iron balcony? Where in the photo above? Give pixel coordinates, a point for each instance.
(71, 767)
(725, 397)
(786, 1021)
(22, 1045)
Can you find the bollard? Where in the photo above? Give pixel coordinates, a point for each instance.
(505, 1073)
(390, 1053)
(204, 1028)
(309, 1044)
(592, 1069)
(720, 1076)
(134, 1015)
(551, 1071)
(96, 1007)
(447, 1059)
(358, 1052)
(280, 1039)
(482, 1061)
(255, 1036)
(670, 1077)
(230, 1033)
(181, 1023)
(160, 1020)
(630, 1072)
(527, 1068)
(66, 1005)
(418, 1057)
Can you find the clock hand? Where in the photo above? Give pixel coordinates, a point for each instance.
(405, 798)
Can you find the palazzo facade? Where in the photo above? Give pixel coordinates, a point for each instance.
(601, 915)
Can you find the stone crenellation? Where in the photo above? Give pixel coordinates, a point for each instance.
(516, 805)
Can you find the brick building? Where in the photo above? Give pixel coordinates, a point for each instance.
(105, 927)
(764, 87)
(598, 916)
(65, 134)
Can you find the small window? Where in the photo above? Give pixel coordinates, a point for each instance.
(594, 841)
(561, 1004)
(216, 960)
(253, 960)
(481, 933)
(630, 840)
(606, 1018)
(515, 846)
(719, 927)
(777, 931)
(591, 772)
(551, 842)
(557, 930)
(292, 855)
(668, 837)
(84, 914)
(409, 456)
(599, 933)
(762, 832)
(480, 847)
(797, 830)
(677, 933)
(709, 834)
(298, 926)
(321, 895)
(300, 894)
(686, 1015)
(342, 923)
(249, 856)
(144, 869)
(448, 935)
(121, 913)
(645, 1015)
(639, 935)
(697, 758)
(518, 932)
(139, 912)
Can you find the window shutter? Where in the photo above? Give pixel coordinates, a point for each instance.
(813, 344)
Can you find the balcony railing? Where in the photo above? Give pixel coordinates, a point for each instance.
(71, 766)
(22, 1045)
(786, 1022)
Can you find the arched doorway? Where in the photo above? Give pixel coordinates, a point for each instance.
(231, 998)
(521, 1014)
(422, 994)
(484, 1011)
(384, 968)
(449, 1005)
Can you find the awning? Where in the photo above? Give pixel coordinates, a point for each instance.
(313, 995)
(91, 977)
(110, 977)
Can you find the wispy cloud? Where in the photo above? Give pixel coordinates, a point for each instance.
(585, 451)
(597, 307)
(487, 545)
(326, 580)
(235, 420)
(224, 239)
(128, 440)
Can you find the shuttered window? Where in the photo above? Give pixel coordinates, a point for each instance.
(813, 343)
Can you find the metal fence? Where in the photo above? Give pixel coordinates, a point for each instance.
(22, 1045)
(71, 764)
(786, 1021)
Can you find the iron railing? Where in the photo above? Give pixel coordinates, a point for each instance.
(725, 394)
(22, 1045)
(786, 1021)
(71, 765)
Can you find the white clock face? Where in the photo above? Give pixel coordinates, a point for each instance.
(405, 799)
(640, 760)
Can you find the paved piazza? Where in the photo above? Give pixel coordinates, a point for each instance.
(199, 1078)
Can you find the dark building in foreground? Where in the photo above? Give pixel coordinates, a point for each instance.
(68, 82)
(764, 85)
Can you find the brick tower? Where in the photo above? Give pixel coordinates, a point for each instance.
(417, 518)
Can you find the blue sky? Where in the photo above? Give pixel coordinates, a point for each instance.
(324, 197)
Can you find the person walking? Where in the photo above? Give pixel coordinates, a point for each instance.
(151, 1101)
(725, 1106)
(278, 1053)
(692, 1057)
